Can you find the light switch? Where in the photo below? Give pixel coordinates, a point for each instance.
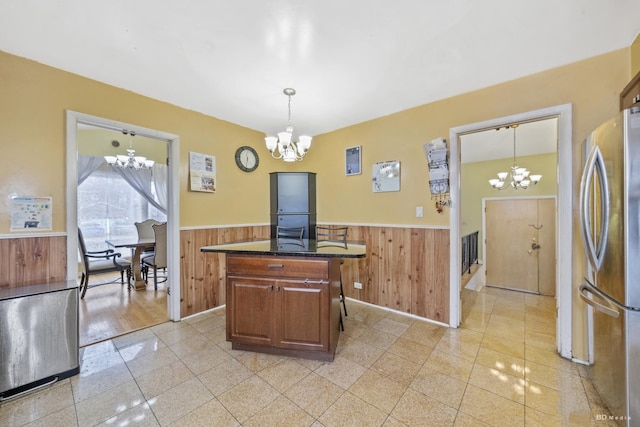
(419, 212)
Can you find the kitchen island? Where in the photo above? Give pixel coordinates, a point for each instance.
(283, 295)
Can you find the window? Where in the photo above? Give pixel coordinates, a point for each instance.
(108, 207)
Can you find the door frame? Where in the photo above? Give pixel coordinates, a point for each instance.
(73, 119)
(484, 223)
(564, 234)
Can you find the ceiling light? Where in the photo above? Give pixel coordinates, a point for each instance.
(518, 177)
(130, 161)
(287, 149)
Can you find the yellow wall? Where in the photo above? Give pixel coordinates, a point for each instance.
(97, 142)
(592, 86)
(34, 97)
(635, 56)
(474, 186)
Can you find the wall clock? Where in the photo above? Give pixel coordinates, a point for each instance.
(247, 159)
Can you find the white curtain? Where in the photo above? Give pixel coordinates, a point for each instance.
(140, 180)
(159, 177)
(87, 165)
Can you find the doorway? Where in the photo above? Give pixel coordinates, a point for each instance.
(73, 120)
(520, 244)
(563, 216)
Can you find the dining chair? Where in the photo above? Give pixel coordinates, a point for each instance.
(334, 236)
(289, 232)
(94, 262)
(145, 231)
(158, 260)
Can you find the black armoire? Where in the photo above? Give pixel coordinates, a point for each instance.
(293, 201)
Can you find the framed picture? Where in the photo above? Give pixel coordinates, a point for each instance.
(386, 176)
(202, 172)
(353, 160)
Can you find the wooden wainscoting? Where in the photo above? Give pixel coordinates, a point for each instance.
(32, 260)
(202, 276)
(406, 269)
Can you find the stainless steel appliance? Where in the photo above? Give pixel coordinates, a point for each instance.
(610, 228)
(38, 336)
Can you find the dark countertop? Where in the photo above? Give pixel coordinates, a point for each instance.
(25, 291)
(292, 247)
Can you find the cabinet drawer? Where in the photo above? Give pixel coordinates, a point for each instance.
(294, 267)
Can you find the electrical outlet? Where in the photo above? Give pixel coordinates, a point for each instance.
(419, 212)
(357, 285)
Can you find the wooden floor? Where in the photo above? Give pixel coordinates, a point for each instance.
(110, 310)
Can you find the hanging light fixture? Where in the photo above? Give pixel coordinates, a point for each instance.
(130, 161)
(286, 149)
(519, 177)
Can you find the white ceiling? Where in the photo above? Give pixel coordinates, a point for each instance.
(350, 61)
(531, 138)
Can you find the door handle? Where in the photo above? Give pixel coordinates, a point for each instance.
(606, 309)
(535, 246)
(594, 244)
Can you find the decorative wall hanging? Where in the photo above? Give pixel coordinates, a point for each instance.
(438, 160)
(353, 160)
(386, 176)
(202, 172)
(31, 213)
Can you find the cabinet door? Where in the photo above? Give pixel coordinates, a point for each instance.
(302, 315)
(293, 193)
(250, 309)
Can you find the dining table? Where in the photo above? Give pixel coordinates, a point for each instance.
(138, 245)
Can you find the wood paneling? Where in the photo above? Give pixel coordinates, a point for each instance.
(32, 260)
(406, 269)
(202, 276)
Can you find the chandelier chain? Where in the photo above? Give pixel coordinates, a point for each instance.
(519, 177)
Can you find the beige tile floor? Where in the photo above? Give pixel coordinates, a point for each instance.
(500, 368)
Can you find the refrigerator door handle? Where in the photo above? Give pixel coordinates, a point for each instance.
(608, 309)
(594, 246)
(612, 301)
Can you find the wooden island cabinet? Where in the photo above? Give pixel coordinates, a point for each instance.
(284, 299)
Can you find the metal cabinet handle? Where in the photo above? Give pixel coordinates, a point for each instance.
(320, 281)
(275, 265)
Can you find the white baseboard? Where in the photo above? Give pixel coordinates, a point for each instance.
(478, 281)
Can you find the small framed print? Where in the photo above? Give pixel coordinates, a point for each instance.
(353, 160)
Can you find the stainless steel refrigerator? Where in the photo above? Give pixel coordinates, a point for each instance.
(610, 229)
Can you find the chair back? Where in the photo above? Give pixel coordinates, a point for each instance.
(332, 235)
(145, 228)
(83, 251)
(289, 232)
(160, 233)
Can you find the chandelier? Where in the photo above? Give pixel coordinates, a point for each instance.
(518, 177)
(288, 150)
(130, 161)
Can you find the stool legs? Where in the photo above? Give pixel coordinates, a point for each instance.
(344, 306)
